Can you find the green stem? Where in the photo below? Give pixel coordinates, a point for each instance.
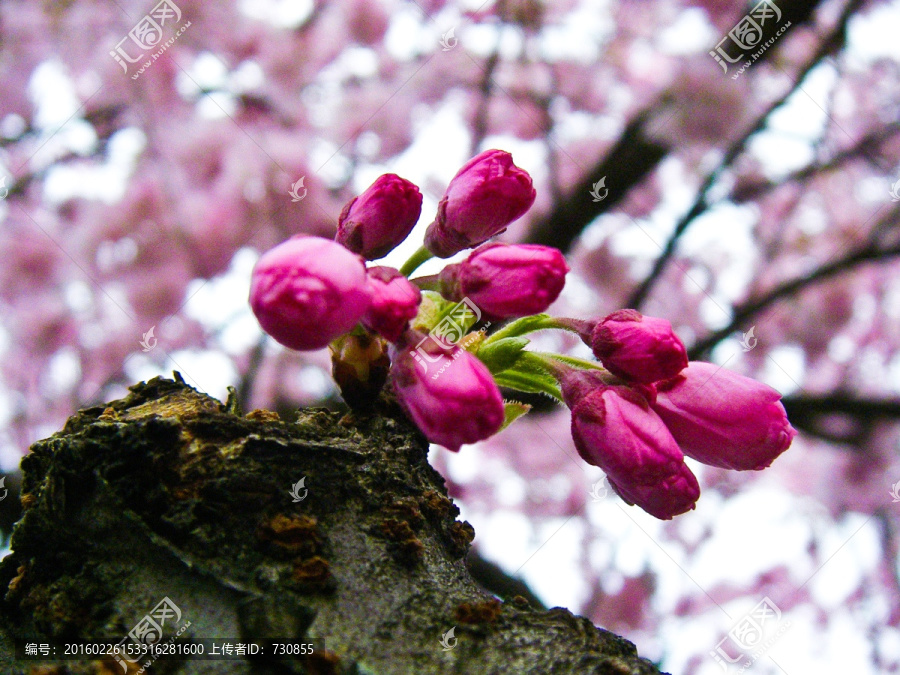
(532, 324)
(415, 260)
(571, 361)
(528, 324)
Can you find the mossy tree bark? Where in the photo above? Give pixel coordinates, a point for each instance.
(168, 493)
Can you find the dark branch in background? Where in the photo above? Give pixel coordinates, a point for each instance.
(871, 252)
(630, 161)
(839, 417)
(493, 579)
(482, 114)
(831, 43)
(867, 144)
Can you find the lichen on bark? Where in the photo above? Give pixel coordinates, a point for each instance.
(170, 493)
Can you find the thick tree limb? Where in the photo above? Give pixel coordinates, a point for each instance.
(169, 494)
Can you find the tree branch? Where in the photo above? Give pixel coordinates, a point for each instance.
(743, 312)
(830, 43)
(169, 494)
(631, 160)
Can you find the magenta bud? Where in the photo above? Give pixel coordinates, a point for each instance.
(485, 196)
(724, 419)
(376, 221)
(447, 392)
(307, 291)
(638, 348)
(672, 496)
(395, 301)
(614, 428)
(508, 280)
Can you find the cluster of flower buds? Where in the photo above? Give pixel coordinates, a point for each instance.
(309, 293)
(657, 407)
(636, 417)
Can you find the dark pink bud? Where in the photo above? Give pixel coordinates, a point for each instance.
(508, 280)
(307, 291)
(485, 196)
(615, 429)
(395, 301)
(724, 419)
(447, 392)
(672, 496)
(638, 348)
(373, 223)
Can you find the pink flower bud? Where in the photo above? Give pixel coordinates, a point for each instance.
(394, 302)
(508, 280)
(638, 348)
(373, 223)
(448, 393)
(485, 196)
(615, 429)
(672, 496)
(307, 291)
(724, 419)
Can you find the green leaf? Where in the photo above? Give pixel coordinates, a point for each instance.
(501, 354)
(528, 382)
(513, 410)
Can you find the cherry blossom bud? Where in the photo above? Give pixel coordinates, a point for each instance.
(638, 348)
(508, 280)
(485, 196)
(447, 392)
(307, 291)
(615, 429)
(724, 419)
(395, 301)
(672, 496)
(376, 221)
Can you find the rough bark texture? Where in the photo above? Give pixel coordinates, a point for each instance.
(169, 493)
